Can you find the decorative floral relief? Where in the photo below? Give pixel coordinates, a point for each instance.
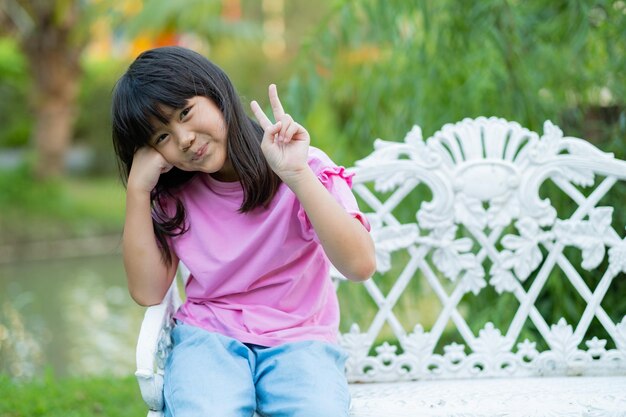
(392, 238)
(617, 258)
(591, 236)
(492, 355)
(554, 143)
(469, 211)
(499, 212)
(548, 145)
(357, 344)
(562, 340)
(527, 350)
(578, 176)
(537, 225)
(491, 342)
(596, 347)
(419, 343)
(523, 255)
(502, 209)
(391, 181)
(452, 255)
(425, 154)
(414, 149)
(474, 280)
(502, 279)
(454, 353)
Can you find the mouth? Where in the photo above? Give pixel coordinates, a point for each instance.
(199, 153)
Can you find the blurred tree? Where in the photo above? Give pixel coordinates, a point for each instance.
(376, 67)
(254, 41)
(207, 19)
(52, 36)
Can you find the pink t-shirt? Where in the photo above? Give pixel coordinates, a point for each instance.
(261, 277)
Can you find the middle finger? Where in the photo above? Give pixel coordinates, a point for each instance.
(277, 107)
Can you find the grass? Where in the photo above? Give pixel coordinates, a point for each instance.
(72, 397)
(68, 207)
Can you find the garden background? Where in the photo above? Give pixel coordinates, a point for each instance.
(350, 71)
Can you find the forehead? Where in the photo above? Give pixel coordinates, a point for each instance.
(164, 116)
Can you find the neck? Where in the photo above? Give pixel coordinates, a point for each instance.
(226, 174)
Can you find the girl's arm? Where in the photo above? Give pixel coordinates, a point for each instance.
(345, 240)
(148, 275)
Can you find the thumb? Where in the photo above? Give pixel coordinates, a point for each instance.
(271, 132)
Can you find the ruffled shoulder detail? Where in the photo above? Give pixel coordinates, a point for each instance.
(327, 174)
(338, 181)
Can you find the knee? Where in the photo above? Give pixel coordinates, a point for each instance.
(317, 407)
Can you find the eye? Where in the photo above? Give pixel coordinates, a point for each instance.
(184, 113)
(160, 138)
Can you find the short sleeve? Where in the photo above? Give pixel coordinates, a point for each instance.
(338, 182)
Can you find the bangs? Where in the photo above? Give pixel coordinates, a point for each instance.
(137, 111)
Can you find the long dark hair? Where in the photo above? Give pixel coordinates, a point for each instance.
(166, 78)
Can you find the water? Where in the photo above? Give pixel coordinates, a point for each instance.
(72, 316)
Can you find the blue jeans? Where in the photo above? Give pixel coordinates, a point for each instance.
(208, 374)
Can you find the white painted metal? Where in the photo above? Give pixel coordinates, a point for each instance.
(512, 397)
(484, 175)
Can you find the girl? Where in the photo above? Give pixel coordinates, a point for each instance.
(257, 215)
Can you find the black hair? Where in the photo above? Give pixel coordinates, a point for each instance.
(167, 77)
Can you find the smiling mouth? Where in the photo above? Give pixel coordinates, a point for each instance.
(199, 153)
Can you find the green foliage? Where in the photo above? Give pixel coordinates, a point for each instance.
(21, 190)
(381, 66)
(14, 117)
(93, 126)
(12, 63)
(202, 17)
(35, 210)
(78, 397)
(374, 68)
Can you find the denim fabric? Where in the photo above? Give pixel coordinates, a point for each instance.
(208, 374)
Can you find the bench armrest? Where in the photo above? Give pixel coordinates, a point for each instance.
(153, 347)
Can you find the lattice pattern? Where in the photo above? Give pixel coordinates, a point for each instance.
(485, 176)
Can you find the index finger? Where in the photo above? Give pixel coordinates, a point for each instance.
(260, 115)
(277, 107)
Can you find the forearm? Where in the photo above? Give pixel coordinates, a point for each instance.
(345, 240)
(285, 145)
(148, 275)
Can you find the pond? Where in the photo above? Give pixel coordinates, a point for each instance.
(72, 316)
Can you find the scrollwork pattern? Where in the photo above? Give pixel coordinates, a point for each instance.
(485, 175)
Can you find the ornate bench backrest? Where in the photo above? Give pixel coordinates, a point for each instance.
(480, 225)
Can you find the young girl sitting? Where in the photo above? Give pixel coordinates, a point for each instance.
(257, 216)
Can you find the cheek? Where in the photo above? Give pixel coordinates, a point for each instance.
(171, 156)
(166, 155)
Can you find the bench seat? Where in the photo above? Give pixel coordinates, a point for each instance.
(511, 397)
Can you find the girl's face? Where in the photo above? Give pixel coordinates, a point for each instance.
(195, 139)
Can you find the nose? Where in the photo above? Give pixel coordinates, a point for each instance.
(187, 137)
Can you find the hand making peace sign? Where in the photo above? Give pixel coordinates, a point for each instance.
(285, 143)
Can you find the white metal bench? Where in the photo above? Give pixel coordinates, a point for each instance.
(456, 217)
